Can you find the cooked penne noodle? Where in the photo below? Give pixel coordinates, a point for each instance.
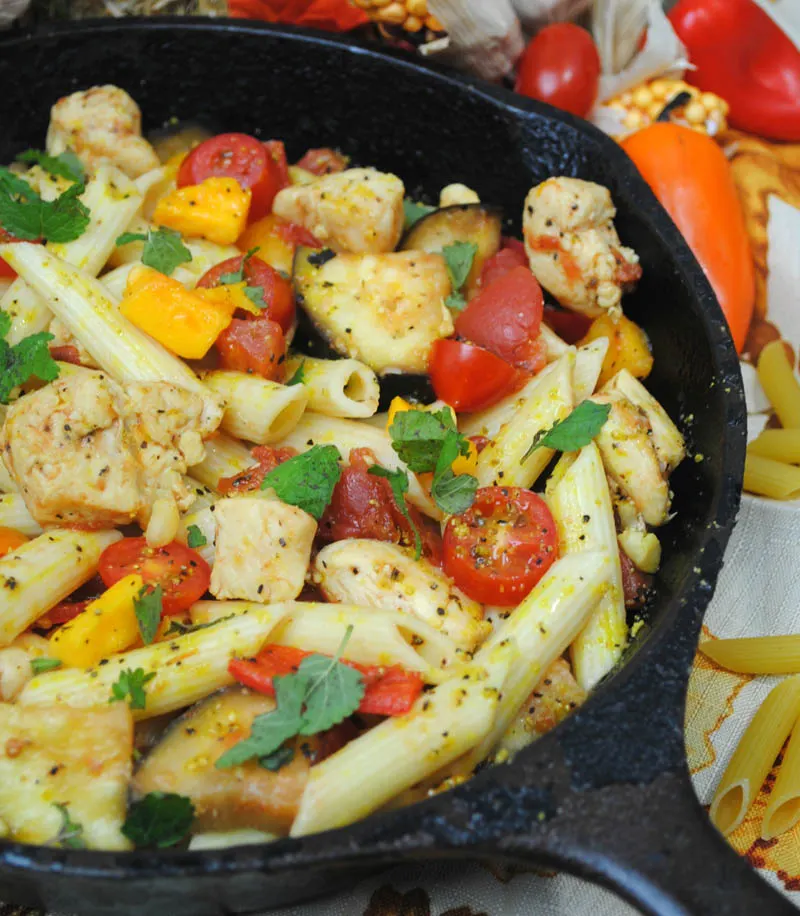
(556, 347)
(755, 654)
(581, 505)
(755, 755)
(338, 387)
(36, 576)
(778, 444)
(767, 477)
(586, 371)
(783, 809)
(256, 409)
(779, 383)
(186, 668)
(203, 520)
(545, 400)
(14, 514)
(225, 457)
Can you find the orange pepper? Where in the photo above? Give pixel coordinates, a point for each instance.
(274, 245)
(216, 209)
(627, 347)
(690, 175)
(10, 539)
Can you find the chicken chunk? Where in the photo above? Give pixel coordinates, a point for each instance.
(82, 450)
(263, 548)
(358, 210)
(573, 248)
(101, 124)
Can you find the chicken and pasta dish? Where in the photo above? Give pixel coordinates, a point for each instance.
(236, 578)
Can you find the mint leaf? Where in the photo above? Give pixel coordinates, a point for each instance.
(256, 295)
(70, 833)
(130, 686)
(12, 185)
(40, 665)
(277, 759)
(398, 481)
(458, 257)
(28, 359)
(299, 375)
(163, 248)
(195, 537)
(335, 692)
(307, 481)
(237, 276)
(574, 431)
(452, 493)
(413, 212)
(64, 165)
(27, 217)
(418, 436)
(148, 608)
(456, 302)
(159, 820)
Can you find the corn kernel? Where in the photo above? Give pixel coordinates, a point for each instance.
(433, 24)
(660, 88)
(417, 8)
(379, 4)
(642, 97)
(654, 109)
(695, 113)
(634, 120)
(412, 24)
(394, 13)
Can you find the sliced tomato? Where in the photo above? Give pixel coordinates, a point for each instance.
(278, 294)
(501, 263)
(570, 326)
(501, 546)
(268, 458)
(388, 691)
(241, 157)
(66, 354)
(254, 345)
(61, 613)
(10, 539)
(505, 318)
(298, 235)
(323, 161)
(277, 152)
(470, 378)
(180, 571)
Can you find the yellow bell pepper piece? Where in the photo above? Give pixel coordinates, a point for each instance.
(628, 347)
(184, 322)
(229, 296)
(108, 625)
(464, 464)
(216, 209)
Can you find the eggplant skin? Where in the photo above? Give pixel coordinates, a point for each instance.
(386, 310)
(474, 223)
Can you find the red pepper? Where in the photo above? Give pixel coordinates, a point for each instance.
(388, 691)
(742, 55)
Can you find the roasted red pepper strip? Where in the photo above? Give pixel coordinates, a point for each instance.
(742, 55)
(388, 691)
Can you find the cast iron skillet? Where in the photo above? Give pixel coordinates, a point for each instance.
(607, 795)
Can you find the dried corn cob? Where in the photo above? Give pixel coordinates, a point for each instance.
(411, 15)
(702, 111)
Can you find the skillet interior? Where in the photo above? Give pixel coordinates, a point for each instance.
(431, 129)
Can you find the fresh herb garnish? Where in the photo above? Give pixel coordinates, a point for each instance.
(195, 537)
(27, 217)
(413, 212)
(159, 820)
(163, 248)
(277, 759)
(29, 358)
(178, 628)
(40, 665)
(256, 295)
(574, 431)
(64, 165)
(237, 276)
(70, 833)
(307, 480)
(398, 481)
(458, 257)
(320, 694)
(148, 608)
(299, 375)
(452, 493)
(130, 686)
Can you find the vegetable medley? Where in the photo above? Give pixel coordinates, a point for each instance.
(231, 586)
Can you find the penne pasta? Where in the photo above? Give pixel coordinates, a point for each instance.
(755, 755)
(767, 477)
(755, 654)
(338, 387)
(225, 457)
(186, 668)
(256, 409)
(780, 385)
(14, 514)
(587, 368)
(36, 576)
(556, 347)
(778, 444)
(783, 809)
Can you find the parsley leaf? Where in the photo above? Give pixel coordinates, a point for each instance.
(418, 437)
(398, 481)
(163, 248)
(256, 295)
(277, 759)
(452, 493)
(148, 609)
(40, 665)
(299, 375)
(307, 480)
(178, 628)
(237, 276)
(160, 819)
(574, 431)
(27, 217)
(70, 833)
(195, 537)
(334, 691)
(458, 257)
(131, 684)
(64, 165)
(30, 357)
(413, 211)
(456, 302)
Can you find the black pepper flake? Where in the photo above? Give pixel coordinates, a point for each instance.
(260, 588)
(321, 257)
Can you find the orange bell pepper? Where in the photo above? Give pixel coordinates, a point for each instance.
(184, 322)
(216, 209)
(690, 175)
(229, 296)
(628, 347)
(10, 539)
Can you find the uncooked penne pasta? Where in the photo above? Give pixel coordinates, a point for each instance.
(780, 385)
(755, 654)
(778, 444)
(14, 514)
(783, 807)
(337, 387)
(767, 477)
(755, 755)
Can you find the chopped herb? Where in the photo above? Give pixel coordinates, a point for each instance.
(40, 665)
(159, 820)
(70, 833)
(458, 257)
(130, 685)
(413, 212)
(179, 628)
(456, 302)
(64, 165)
(24, 215)
(237, 276)
(321, 257)
(299, 375)
(148, 608)
(256, 295)
(163, 248)
(195, 537)
(307, 480)
(398, 481)
(277, 759)
(28, 359)
(452, 493)
(574, 431)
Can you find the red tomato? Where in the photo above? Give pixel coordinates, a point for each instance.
(66, 354)
(323, 161)
(505, 318)
(501, 546)
(268, 458)
(7, 272)
(470, 378)
(296, 234)
(61, 613)
(253, 345)
(501, 263)
(561, 66)
(180, 571)
(241, 157)
(277, 152)
(570, 326)
(277, 291)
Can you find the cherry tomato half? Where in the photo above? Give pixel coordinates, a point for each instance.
(278, 293)
(323, 161)
(505, 317)
(7, 272)
(255, 345)
(180, 571)
(470, 378)
(561, 66)
(241, 157)
(501, 546)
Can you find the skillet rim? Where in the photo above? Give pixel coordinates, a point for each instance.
(694, 591)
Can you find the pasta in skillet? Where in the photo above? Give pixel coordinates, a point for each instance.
(235, 576)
